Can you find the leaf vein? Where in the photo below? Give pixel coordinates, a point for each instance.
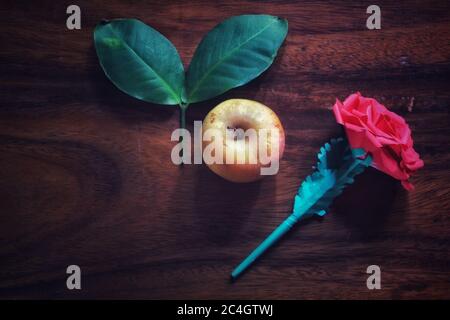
(221, 60)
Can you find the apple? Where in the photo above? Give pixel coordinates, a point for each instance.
(232, 120)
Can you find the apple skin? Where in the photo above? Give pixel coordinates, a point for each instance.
(243, 114)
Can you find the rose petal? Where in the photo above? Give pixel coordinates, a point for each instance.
(378, 107)
(357, 137)
(384, 161)
(386, 135)
(352, 101)
(415, 165)
(407, 185)
(337, 111)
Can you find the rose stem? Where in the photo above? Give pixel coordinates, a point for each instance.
(281, 230)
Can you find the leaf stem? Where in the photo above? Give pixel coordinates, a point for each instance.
(183, 108)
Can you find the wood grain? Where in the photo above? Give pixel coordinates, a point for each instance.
(86, 176)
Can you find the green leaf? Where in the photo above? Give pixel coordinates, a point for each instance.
(337, 166)
(233, 53)
(140, 61)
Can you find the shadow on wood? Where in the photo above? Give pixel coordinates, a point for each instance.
(365, 205)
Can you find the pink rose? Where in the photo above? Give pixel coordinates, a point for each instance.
(384, 134)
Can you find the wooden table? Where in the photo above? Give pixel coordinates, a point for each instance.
(86, 176)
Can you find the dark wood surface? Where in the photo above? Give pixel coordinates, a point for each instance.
(86, 176)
